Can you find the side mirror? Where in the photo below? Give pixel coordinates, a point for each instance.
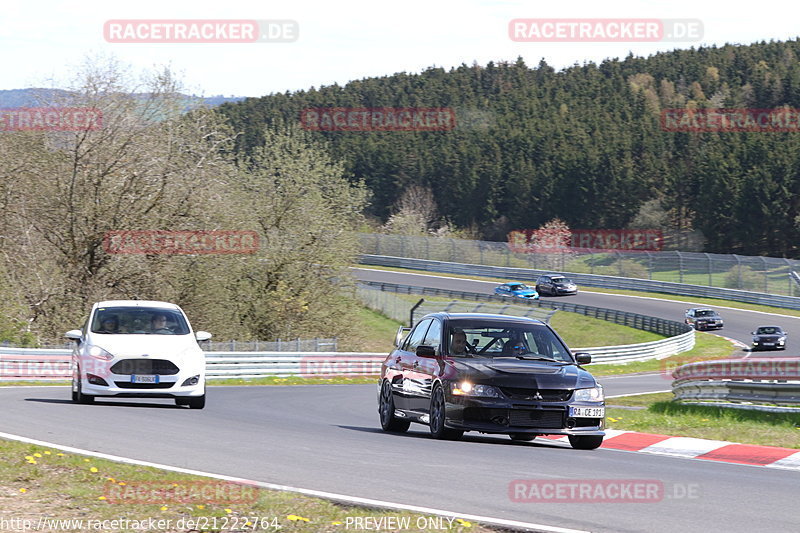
(583, 358)
(423, 350)
(400, 335)
(202, 335)
(74, 334)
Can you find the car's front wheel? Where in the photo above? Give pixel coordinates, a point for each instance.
(386, 411)
(77, 393)
(585, 442)
(438, 415)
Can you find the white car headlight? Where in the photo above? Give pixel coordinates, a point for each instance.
(465, 388)
(595, 394)
(99, 353)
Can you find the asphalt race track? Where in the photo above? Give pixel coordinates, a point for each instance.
(328, 438)
(738, 323)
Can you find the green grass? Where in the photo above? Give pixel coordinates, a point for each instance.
(376, 333)
(667, 417)
(44, 482)
(583, 331)
(707, 346)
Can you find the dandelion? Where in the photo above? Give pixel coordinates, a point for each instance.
(111, 479)
(464, 522)
(60, 454)
(23, 491)
(163, 507)
(37, 454)
(336, 523)
(47, 452)
(201, 507)
(228, 511)
(86, 460)
(93, 470)
(101, 497)
(295, 518)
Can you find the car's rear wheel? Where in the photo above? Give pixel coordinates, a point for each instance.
(386, 411)
(585, 442)
(77, 393)
(522, 437)
(438, 415)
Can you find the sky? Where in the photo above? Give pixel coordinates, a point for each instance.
(44, 42)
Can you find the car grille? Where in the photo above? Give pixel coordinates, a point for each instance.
(161, 367)
(537, 418)
(129, 385)
(545, 395)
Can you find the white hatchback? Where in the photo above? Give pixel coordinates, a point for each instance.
(138, 349)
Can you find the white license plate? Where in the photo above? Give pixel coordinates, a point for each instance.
(144, 379)
(587, 412)
(769, 344)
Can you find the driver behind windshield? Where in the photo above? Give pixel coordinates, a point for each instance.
(159, 324)
(458, 343)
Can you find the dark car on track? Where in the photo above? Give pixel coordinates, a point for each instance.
(703, 318)
(495, 374)
(769, 338)
(517, 290)
(555, 285)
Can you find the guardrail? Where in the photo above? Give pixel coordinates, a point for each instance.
(681, 337)
(23, 364)
(588, 280)
(743, 382)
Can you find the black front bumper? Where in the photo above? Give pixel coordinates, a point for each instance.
(493, 415)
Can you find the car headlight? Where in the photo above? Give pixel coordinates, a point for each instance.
(781, 340)
(465, 388)
(99, 353)
(595, 394)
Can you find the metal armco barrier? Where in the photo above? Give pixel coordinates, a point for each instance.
(681, 337)
(588, 280)
(24, 364)
(756, 382)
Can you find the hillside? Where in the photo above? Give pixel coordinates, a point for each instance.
(584, 144)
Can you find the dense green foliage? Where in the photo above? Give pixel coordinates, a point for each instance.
(584, 144)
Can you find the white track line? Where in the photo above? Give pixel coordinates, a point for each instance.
(308, 492)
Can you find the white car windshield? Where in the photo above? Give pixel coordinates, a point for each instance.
(139, 321)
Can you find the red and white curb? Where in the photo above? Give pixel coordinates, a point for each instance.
(691, 448)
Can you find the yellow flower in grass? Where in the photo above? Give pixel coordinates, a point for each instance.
(463, 522)
(201, 507)
(228, 511)
(37, 454)
(101, 497)
(163, 507)
(60, 454)
(93, 470)
(336, 523)
(121, 483)
(295, 518)
(86, 460)
(23, 491)
(111, 479)
(47, 452)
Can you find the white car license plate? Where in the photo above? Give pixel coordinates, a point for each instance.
(769, 344)
(587, 412)
(144, 379)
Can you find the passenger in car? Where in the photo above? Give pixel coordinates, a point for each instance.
(110, 324)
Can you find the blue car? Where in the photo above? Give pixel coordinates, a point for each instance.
(517, 290)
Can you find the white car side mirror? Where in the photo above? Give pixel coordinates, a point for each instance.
(202, 335)
(74, 334)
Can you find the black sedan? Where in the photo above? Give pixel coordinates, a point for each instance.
(555, 285)
(493, 374)
(769, 338)
(702, 318)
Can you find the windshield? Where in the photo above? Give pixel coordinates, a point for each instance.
(519, 287)
(768, 331)
(706, 313)
(564, 281)
(139, 321)
(507, 340)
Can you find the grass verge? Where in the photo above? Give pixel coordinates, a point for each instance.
(38, 483)
(706, 347)
(663, 416)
